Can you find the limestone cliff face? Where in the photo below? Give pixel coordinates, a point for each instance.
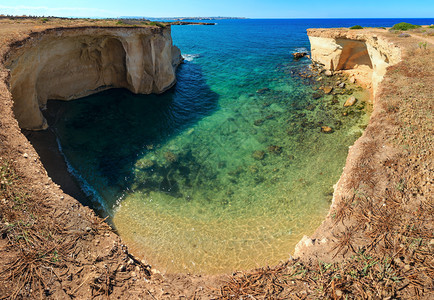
(343, 49)
(69, 63)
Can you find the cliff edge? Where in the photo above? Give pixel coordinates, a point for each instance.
(70, 63)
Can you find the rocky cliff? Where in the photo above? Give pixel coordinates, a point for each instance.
(69, 63)
(365, 51)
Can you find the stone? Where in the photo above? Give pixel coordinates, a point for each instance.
(353, 79)
(253, 169)
(316, 95)
(261, 91)
(298, 55)
(350, 101)
(326, 129)
(170, 157)
(327, 89)
(145, 164)
(25, 155)
(319, 79)
(328, 73)
(258, 122)
(342, 85)
(310, 107)
(275, 149)
(258, 154)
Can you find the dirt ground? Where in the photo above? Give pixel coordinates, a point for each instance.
(377, 241)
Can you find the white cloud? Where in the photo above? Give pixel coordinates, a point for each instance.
(55, 11)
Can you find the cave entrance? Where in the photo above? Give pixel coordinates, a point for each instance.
(354, 53)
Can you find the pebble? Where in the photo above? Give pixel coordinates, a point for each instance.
(25, 155)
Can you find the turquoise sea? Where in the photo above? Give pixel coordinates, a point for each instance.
(228, 169)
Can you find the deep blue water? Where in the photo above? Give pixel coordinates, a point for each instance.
(229, 168)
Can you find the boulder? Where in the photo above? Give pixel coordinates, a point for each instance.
(327, 89)
(350, 101)
(326, 129)
(298, 55)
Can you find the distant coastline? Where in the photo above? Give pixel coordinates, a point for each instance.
(199, 18)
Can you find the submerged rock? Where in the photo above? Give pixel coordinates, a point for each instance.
(170, 157)
(327, 89)
(259, 122)
(275, 149)
(145, 164)
(326, 129)
(258, 154)
(264, 90)
(298, 55)
(316, 95)
(350, 101)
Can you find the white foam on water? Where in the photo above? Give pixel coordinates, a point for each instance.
(190, 57)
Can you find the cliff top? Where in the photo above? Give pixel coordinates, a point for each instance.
(406, 40)
(12, 28)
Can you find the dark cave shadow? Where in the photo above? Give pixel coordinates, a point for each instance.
(109, 131)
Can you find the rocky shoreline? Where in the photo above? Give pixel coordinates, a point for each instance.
(389, 166)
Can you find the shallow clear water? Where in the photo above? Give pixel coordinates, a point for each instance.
(229, 169)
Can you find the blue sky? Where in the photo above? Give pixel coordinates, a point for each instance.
(236, 8)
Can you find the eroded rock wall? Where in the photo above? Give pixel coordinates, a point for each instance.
(70, 63)
(343, 49)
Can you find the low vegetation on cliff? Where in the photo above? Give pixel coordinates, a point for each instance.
(404, 26)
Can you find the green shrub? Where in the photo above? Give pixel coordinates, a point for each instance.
(120, 22)
(43, 20)
(431, 26)
(356, 27)
(404, 26)
(157, 24)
